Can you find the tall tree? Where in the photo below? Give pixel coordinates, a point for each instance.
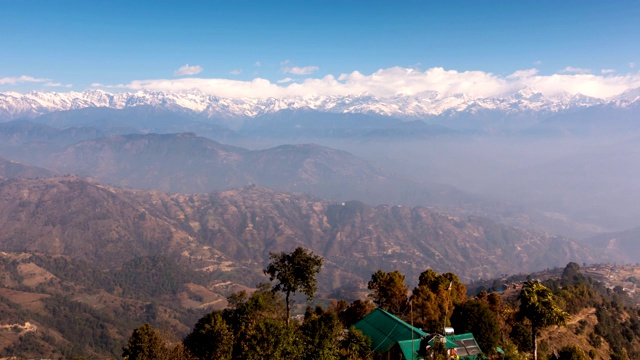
(295, 271)
(267, 339)
(355, 312)
(435, 297)
(321, 332)
(244, 310)
(145, 343)
(355, 346)
(538, 305)
(476, 316)
(211, 338)
(389, 291)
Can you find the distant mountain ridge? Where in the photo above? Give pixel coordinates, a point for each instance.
(232, 232)
(420, 106)
(12, 169)
(623, 243)
(187, 163)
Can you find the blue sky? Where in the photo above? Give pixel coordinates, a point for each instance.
(72, 45)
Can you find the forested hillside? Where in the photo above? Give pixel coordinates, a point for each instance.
(590, 321)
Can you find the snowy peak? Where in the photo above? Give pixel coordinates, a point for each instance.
(629, 96)
(15, 105)
(528, 94)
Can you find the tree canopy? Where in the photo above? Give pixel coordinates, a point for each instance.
(145, 344)
(253, 324)
(389, 291)
(293, 272)
(538, 305)
(211, 338)
(475, 316)
(434, 298)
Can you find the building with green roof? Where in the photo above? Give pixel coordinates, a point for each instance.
(398, 340)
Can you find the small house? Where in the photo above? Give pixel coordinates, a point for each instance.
(393, 338)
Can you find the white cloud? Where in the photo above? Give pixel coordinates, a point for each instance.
(403, 81)
(523, 74)
(21, 79)
(607, 71)
(97, 85)
(295, 70)
(537, 62)
(235, 72)
(285, 80)
(575, 70)
(188, 70)
(257, 64)
(591, 85)
(57, 84)
(632, 65)
(306, 70)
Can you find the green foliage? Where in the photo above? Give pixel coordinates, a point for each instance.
(511, 352)
(74, 320)
(538, 305)
(436, 352)
(434, 298)
(570, 353)
(267, 339)
(245, 310)
(152, 276)
(355, 346)
(253, 325)
(295, 271)
(475, 316)
(574, 298)
(389, 291)
(76, 271)
(457, 291)
(571, 275)
(355, 312)
(211, 338)
(27, 344)
(257, 327)
(145, 344)
(521, 336)
(621, 335)
(320, 333)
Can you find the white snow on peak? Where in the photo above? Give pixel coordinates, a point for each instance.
(430, 103)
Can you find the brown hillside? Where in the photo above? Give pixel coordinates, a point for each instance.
(235, 230)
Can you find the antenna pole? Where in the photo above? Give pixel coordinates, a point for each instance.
(411, 312)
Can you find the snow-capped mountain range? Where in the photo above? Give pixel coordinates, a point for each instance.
(425, 105)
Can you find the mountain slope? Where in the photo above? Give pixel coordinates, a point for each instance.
(622, 243)
(232, 232)
(171, 162)
(11, 169)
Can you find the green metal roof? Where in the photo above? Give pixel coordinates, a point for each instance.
(410, 349)
(385, 330)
